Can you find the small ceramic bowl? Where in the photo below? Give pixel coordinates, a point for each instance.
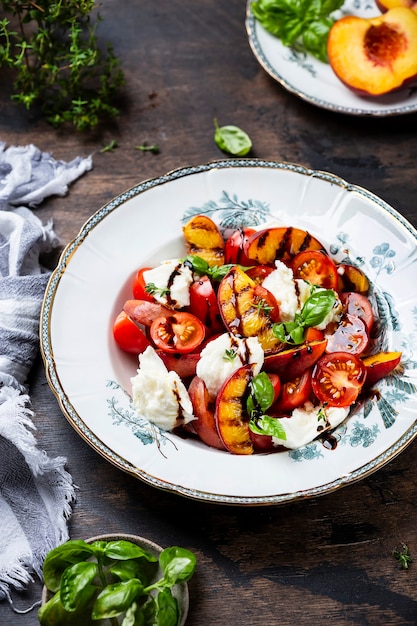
(180, 591)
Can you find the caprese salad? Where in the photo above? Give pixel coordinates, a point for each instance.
(257, 342)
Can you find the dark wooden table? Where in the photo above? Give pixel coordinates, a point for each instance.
(318, 561)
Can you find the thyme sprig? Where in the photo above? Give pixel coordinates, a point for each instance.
(53, 50)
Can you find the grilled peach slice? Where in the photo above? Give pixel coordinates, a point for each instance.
(231, 418)
(203, 238)
(351, 278)
(290, 364)
(205, 425)
(248, 309)
(281, 243)
(380, 365)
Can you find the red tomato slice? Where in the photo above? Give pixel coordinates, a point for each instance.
(234, 247)
(179, 332)
(204, 305)
(359, 305)
(315, 267)
(350, 336)
(138, 287)
(338, 378)
(276, 384)
(259, 272)
(128, 336)
(293, 393)
(313, 334)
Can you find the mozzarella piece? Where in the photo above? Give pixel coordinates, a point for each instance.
(174, 276)
(308, 422)
(281, 284)
(159, 395)
(214, 366)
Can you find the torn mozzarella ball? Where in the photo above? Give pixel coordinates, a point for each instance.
(224, 355)
(159, 395)
(308, 422)
(281, 284)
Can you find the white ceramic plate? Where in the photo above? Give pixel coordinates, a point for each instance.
(91, 377)
(314, 81)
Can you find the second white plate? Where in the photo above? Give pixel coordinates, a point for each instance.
(315, 82)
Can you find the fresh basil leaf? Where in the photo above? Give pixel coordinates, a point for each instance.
(52, 613)
(59, 558)
(330, 6)
(315, 38)
(115, 599)
(217, 272)
(134, 568)
(317, 307)
(198, 264)
(289, 332)
(250, 405)
(232, 139)
(122, 550)
(311, 10)
(178, 564)
(266, 425)
(74, 580)
(133, 617)
(297, 335)
(291, 30)
(280, 332)
(262, 390)
(168, 613)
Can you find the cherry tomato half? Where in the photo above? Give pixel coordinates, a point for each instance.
(315, 267)
(180, 332)
(350, 336)
(359, 305)
(276, 384)
(234, 247)
(203, 304)
(337, 378)
(139, 284)
(128, 336)
(293, 393)
(259, 273)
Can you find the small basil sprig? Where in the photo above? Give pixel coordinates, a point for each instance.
(259, 400)
(105, 580)
(215, 272)
(232, 139)
(315, 310)
(153, 290)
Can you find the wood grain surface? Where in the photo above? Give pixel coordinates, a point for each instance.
(326, 560)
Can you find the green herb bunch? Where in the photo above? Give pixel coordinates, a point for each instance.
(301, 24)
(52, 49)
(116, 581)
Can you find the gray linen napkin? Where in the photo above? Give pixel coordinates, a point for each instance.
(36, 492)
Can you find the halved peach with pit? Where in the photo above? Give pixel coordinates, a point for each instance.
(375, 56)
